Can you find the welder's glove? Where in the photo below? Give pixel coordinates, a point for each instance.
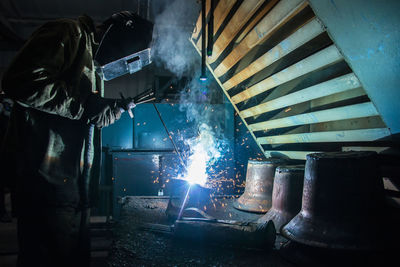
(123, 18)
(126, 104)
(101, 111)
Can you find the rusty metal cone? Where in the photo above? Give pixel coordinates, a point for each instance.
(286, 195)
(342, 202)
(257, 196)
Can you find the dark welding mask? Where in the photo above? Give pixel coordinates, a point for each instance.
(125, 46)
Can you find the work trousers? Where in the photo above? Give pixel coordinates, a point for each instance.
(53, 236)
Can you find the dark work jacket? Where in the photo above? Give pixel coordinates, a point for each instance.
(52, 145)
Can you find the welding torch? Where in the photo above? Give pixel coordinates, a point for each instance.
(141, 98)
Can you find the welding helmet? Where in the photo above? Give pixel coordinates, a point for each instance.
(125, 45)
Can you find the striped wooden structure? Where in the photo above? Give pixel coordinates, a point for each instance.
(287, 80)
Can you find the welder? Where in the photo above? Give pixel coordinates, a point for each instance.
(53, 143)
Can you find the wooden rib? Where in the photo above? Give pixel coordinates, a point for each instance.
(363, 135)
(256, 20)
(330, 87)
(279, 15)
(221, 11)
(326, 100)
(323, 58)
(294, 41)
(334, 114)
(372, 122)
(239, 19)
(290, 154)
(227, 95)
(197, 29)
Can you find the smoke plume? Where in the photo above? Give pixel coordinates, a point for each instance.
(172, 50)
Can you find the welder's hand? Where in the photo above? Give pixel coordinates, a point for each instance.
(125, 18)
(126, 104)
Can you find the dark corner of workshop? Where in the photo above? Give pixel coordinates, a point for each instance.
(199, 133)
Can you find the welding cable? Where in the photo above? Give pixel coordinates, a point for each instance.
(170, 136)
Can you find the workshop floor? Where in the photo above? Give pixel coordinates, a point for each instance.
(130, 244)
(136, 243)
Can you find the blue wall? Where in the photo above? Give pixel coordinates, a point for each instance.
(146, 132)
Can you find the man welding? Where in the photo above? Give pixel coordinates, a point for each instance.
(53, 143)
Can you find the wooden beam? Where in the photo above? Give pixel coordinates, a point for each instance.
(279, 16)
(334, 136)
(301, 155)
(197, 29)
(229, 98)
(334, 114)
(337, 85)
(221, 11)
(254, 21)
(294, 41)
(239, 19)
(323, 58)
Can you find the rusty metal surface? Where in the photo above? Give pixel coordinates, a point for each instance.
(257, 196)
(342, 202)
(286, 195)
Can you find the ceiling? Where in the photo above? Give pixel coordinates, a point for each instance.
(19, 18)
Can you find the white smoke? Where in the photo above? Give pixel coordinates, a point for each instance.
(173, 26)
(174, 52)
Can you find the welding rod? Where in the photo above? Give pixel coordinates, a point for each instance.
(144, 97)
(170, 136)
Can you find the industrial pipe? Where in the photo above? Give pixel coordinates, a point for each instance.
(210, 39)
(203, 76)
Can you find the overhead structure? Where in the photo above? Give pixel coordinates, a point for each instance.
(287, 80)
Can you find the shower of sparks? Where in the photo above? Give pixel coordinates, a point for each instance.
(203, 152)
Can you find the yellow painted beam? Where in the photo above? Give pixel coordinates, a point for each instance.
(279, 16)
(333, 136)
(323, 58)
(239, 19)
(294, 41)
(330, 87)
(333, 114)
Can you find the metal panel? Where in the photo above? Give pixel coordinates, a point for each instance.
(334, 136)
(337, 85)
(120, 134)
(279, 15)
(134, 175)
(342, 113)
(317, 61)
(294, 41)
